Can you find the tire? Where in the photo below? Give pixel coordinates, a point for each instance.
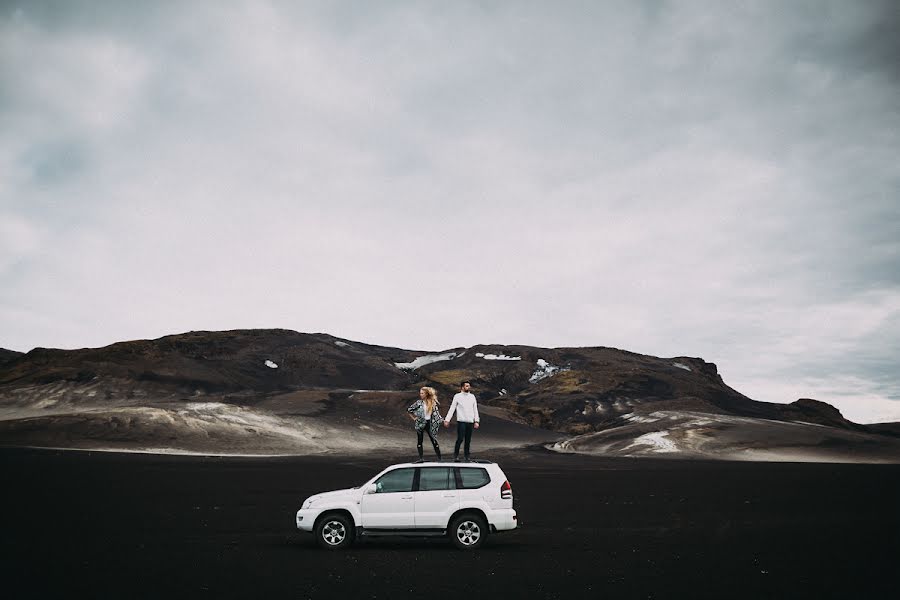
(334, 532)
(468, 531)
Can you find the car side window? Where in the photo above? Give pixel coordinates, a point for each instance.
(472, 477)
(398, 480)
(436, 478)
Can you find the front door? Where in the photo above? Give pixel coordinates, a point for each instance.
(436, 498)
(392, 505)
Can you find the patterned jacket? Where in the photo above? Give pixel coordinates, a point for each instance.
(417, 408)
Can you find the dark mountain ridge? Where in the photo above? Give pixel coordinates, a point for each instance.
(8, 355)
(300, 377)
(215, 362)
(266, 361)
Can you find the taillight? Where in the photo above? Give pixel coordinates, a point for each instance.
(506, 490)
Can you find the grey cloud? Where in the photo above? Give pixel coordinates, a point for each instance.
(670, 178)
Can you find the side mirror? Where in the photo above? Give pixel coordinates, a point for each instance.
(371, 488)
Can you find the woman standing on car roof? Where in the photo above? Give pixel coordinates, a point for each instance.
(425, 413)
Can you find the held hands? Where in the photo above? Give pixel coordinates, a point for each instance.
(447, 424)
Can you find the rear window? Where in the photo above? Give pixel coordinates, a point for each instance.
(473, 477)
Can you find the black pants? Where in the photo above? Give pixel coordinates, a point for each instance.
(420, 435)
(463, 431)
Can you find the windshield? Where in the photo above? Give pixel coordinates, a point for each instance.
(368, 481)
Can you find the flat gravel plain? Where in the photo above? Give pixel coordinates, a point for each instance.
(113, 525)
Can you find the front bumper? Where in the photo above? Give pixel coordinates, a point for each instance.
(306, 519)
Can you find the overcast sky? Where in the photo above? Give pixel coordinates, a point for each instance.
(707, 179)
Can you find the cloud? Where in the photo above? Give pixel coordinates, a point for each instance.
(712, 180)
(19, 239)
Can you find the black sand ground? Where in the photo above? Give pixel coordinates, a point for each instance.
(122, 526)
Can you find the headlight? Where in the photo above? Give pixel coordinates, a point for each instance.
(308, 503)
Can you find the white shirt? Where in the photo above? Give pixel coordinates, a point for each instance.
(426, 412)
(465, 406)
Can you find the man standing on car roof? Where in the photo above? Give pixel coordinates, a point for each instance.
(466, 408)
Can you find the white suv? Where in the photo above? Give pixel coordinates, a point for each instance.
(464, 501)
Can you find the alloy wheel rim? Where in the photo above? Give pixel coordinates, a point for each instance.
(334, 533)
(468, 533)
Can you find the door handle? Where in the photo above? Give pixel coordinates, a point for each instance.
(406, 497)
(449, 495)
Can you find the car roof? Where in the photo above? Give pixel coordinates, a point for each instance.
(444, 463)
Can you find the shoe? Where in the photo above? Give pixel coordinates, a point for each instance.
(421, 460)
(467, 459)
(455, 459)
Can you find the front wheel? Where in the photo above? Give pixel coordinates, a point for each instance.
(334, 532)
(468, 532)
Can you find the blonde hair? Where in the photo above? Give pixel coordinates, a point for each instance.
(431, 399)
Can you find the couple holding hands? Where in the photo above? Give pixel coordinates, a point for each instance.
(427, 416)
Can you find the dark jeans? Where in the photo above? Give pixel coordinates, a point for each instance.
(463, 431)
(420, 435)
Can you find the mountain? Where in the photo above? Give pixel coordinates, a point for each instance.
(280, 391)
(577, 390)
(8, 355)
(215, 362)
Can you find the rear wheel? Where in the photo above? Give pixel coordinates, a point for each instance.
(468, 531)
(334, 532)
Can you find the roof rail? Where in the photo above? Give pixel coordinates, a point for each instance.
(450, 461)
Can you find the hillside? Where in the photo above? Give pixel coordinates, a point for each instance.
(282, 391)
(8, 355)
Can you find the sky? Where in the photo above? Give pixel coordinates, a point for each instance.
(707, 179)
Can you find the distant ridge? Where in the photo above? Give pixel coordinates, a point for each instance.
(8, 355)
(280, 389)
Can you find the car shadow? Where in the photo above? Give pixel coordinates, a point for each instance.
(378, 544)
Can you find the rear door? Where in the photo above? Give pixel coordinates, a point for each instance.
(436, 498)
(392, 506)
(472, 483)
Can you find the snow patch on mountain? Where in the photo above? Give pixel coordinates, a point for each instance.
(496, 356)
(658, 441)
(681, 366)
(271, 364)
(425, 360)
(640, 418)
(545, 370)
